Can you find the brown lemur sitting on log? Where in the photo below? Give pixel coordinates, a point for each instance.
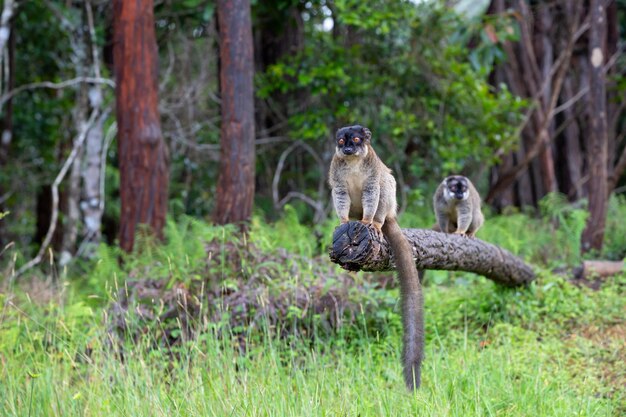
(364, 189)
(457, 206)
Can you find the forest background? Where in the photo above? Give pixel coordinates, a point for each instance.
(165, 216)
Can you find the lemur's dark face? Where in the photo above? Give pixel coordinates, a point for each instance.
(352, 140)
(456, 187)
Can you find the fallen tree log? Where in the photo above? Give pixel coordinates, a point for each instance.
(356, 247)
(600, 269)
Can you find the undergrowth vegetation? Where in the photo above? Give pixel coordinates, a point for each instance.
(211, 324)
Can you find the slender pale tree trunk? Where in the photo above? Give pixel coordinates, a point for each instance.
(8, 10)
(94, 160)
(7, 71)
(92, 170)
(71, 193)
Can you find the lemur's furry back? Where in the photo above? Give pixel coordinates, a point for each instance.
(457, 206)
(364, 189)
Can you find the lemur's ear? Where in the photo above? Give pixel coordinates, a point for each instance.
(367, 133)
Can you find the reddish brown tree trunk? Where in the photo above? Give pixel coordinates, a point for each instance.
(593, 235)
(142, 152)
(235, 185)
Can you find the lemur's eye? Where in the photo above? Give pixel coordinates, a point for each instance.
(356, 140)
(341, 141)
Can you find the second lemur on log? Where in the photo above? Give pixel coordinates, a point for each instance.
(364, 189)
(457, 206)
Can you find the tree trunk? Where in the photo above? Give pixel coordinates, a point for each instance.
(94, 160)
(8, 77)
(71, 194)
(601, 269)
(356, 247)
(546, 157)
(142, 152)
(573, 153)
(7, 71)
(71, 213)
(8, 10)
(593, 235)
(235, 185)
(615, 104)
(507, 197)
(93, 164)
(584, 77)
(536, 68)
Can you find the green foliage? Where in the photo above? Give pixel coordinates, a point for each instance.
(41, 117)
(179, 259)
(567, 219)
(407, 72)
(38, 114)
(526, 362)
(552, 239)
(552, 304)
(291, 234)
(286, 233)
(550, 349)
(615, 230)
(409, 78)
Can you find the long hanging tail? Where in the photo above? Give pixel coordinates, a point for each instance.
(412, 302)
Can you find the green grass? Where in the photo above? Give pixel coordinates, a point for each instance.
(459, 381)
(552, 349)
(513, 357)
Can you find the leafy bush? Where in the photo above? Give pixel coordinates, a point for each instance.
(552, 239)
(615, 231)
(209, 274)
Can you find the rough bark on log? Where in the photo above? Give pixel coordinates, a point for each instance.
(356, 247)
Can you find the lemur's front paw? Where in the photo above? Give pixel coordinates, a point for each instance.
(458, 232)
(378, 229)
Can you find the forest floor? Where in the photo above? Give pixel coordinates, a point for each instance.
(211, 326)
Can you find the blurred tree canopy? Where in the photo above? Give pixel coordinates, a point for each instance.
(404, 71)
